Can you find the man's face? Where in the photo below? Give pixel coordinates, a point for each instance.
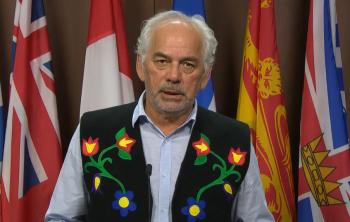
(173, 69)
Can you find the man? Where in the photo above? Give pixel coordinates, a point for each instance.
(203, 166)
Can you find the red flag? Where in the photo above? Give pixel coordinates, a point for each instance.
(32, 153)
(261, 106)
(107, 75)
(324, 165)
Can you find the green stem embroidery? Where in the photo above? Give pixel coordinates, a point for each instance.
(106, 174)
(105, 151)
(224, 173)
(232, 171)
(100, 166)
(220, 159)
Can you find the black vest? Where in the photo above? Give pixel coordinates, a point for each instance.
(215, 163)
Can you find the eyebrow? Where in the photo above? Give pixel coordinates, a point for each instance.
(160, 54)
(187, 58)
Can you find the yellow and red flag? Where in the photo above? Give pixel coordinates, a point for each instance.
(261, 106)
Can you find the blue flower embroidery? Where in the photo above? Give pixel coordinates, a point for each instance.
(194, 210)
(124, 202)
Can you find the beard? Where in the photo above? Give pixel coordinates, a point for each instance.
(174, 107)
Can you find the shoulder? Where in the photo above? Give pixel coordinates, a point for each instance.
(99, 120)
(107, 113)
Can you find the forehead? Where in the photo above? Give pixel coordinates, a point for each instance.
(176, 35)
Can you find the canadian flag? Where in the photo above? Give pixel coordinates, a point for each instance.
(107, 79)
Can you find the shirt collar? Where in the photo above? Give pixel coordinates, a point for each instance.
(139, 112)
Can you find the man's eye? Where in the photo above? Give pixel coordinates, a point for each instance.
(161, 61)
(188, 67)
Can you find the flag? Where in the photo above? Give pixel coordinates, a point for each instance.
(261, 106)
(324, 158)
(2, 131)
(107, 75)
(206, 96)
(2, 134)
(32, 153)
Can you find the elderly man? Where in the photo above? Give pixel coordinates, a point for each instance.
(164, 158)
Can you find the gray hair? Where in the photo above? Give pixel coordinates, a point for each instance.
(208, 39)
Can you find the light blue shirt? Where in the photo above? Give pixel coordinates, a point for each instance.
(165, 154)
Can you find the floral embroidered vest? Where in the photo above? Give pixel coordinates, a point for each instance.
(215, 163)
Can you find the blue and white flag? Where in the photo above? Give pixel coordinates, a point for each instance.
(206, 96)
(2, 139)
(2, 130)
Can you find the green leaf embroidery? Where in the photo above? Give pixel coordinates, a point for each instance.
(120, 133)
(205, 138)
(200, 160)
(124, 155)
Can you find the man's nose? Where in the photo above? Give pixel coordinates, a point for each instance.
(174, 73)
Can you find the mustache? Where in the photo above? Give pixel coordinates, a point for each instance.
(174, 88)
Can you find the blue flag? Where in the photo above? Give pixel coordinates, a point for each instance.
(205, 97)
(2, 130)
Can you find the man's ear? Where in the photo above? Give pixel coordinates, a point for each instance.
(139, 68)
(206, 77)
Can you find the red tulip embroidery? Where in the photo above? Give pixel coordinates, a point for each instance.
(236, 157)
(202, 147)
(124, 143)
(90, 147)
